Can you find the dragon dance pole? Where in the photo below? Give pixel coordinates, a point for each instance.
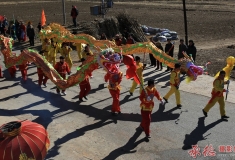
(227, 92)
(185, 23)
(144, 58)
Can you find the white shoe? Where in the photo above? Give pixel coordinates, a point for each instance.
(64, 93)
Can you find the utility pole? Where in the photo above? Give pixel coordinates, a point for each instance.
(185, 23)
(64, 14)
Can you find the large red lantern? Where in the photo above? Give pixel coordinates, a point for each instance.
(23, 140)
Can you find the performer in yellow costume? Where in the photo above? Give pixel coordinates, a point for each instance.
(46, 47)
(139, 71)
(65, 52)
(79, 50)
(217, 96)
(87, 52)
(174, 82)
(53, 51)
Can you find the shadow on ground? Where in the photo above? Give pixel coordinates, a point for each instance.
(197, 134)
(45, 117)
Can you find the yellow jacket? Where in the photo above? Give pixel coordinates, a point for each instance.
(218, 87)
(175, 78)
(78, 46)
(139, 69)
(46, 46)
(54, 49)
(65, 52)
(148, 105)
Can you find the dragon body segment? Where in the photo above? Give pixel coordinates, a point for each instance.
(110, 64)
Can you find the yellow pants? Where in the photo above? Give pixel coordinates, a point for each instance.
(221, 102)
(69, 61)
(79, 50)
(134, 85)
(177, 94)
(46, 55)
(79, 53)
(52, 60)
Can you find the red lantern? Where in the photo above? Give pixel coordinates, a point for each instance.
(23, 140)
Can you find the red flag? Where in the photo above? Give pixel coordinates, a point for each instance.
(131, 68)
(43, 18)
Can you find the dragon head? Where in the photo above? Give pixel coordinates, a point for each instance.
(194, 71)
(109, 60)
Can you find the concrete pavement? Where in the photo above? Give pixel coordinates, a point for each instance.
(81, 131)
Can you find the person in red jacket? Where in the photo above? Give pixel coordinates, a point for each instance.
(42, 78)
(62, 68)
(23, 69)
(85, 86)
(147, 105)
(114, 89)
(12, 71)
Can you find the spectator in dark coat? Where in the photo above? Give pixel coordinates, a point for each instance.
(39, 27)
(74, 14)
(130, 40)
(17, 28)
(124, 40)
(5, 22)
(152, 59)
(159, 64)
(2, 28)
(125, 33)
(192, 50)
(169, 49)
(103, 37)
(182, 48)
(118, 40)
(31, 35)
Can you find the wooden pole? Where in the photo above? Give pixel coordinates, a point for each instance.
(185, 23)
(64, 14)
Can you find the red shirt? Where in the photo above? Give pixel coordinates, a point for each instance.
(62, 68)
(114, 80)
(148, 105)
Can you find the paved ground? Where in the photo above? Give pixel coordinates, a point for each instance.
(88, 131)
